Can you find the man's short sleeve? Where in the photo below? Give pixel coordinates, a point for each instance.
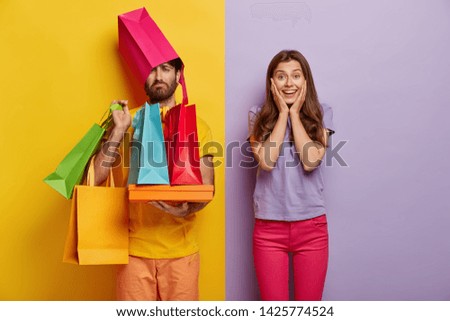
(205, 140)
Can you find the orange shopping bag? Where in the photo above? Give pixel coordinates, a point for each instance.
(98, 224)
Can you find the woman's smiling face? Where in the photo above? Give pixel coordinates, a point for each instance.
(288, 78)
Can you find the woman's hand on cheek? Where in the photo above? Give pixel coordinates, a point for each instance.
(298, 103)
(279, 101)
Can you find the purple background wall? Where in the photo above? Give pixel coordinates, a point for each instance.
(384, 67)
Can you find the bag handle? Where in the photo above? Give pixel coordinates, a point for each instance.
(183, 86)
(106, 122)
(91, 175)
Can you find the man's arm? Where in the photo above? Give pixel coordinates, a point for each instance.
(106, 156)
(185, 208)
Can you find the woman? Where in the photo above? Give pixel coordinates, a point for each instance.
(289, 135)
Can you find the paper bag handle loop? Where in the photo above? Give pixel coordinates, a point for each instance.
(183, 86)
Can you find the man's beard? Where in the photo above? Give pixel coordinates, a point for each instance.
(157, 95)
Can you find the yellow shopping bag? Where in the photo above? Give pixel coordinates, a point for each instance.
(98, 224)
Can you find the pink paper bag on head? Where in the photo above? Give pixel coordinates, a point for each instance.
(143, 46)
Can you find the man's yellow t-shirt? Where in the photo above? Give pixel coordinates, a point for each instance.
(159, 235)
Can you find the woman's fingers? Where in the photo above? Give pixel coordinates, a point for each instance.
(304, 91)
(275, 89)
(279, 101)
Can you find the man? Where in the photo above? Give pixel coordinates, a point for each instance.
(164, 259)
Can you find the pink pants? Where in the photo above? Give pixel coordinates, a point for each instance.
(307, 241)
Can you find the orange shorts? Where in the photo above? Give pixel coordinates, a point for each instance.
(159, 279)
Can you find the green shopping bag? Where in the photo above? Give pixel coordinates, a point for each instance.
(71, 169)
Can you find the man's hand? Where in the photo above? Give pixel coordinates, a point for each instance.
(182, 209)
(122, 118)
(179, 210)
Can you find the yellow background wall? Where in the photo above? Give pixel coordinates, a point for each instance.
(59, 70)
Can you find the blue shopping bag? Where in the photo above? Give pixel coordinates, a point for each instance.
(148, 153)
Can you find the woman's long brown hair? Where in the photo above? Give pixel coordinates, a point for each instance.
(311, 114)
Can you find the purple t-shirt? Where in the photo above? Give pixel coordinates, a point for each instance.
(288, 192)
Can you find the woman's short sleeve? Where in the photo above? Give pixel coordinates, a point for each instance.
(328, 118)
(252, 113)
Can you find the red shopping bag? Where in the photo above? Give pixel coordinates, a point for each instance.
(182, 147)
